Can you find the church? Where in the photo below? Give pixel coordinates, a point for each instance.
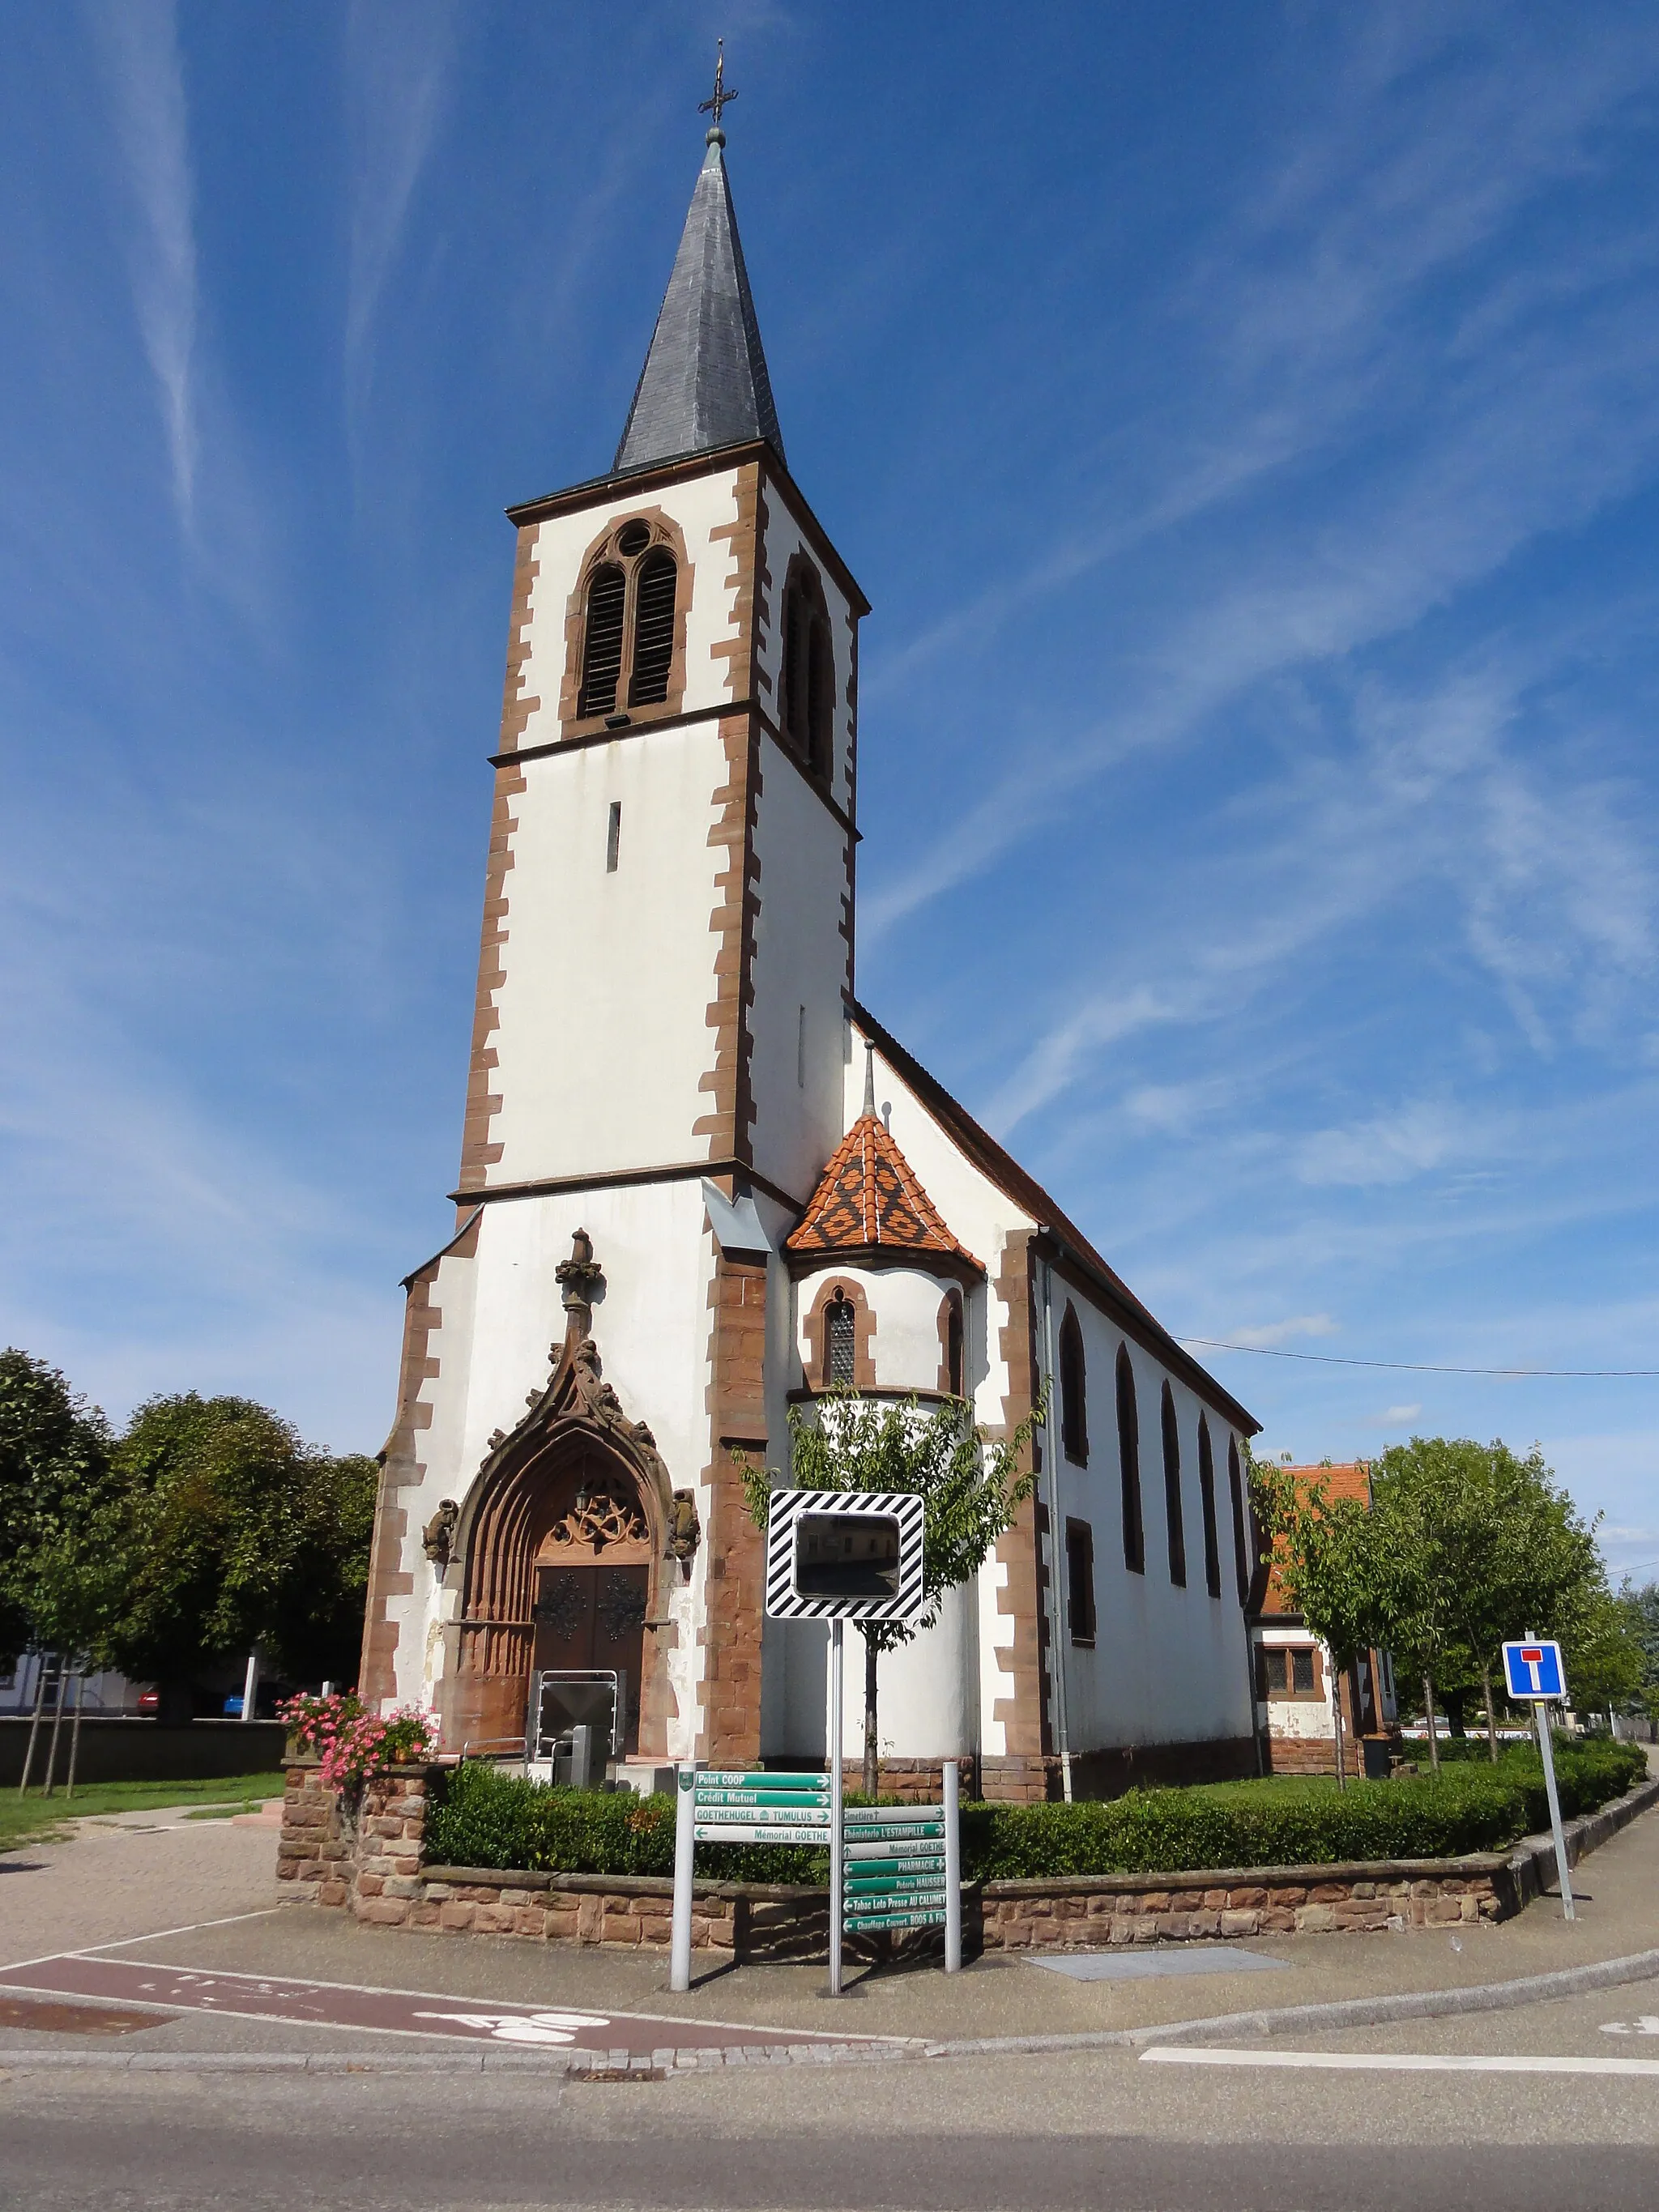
(701, 1184)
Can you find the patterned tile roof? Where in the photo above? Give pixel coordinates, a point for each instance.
(1351, 1480)
(869, 1200)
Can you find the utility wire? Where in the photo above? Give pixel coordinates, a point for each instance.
(1417, 1367)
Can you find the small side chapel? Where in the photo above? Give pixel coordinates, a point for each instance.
(699, 1183)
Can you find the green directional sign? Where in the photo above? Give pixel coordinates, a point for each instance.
(896, 1847)
(869, 1921)
(860, 1831)
(759, 1777)
(803, 1800)
(899, 1885)
(744, 1832)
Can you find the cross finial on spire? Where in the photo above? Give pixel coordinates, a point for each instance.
(716, 135)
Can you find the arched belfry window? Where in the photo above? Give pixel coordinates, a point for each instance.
(1073, 1391)
(1172, 1489)
(602, 639)
(807, 707)
(1128, 1453)
(1206, 1500)
(840, 1340)
(654, 628)
(629, 614)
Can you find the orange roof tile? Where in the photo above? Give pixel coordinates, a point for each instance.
(868, 1199)
(1349, 1480)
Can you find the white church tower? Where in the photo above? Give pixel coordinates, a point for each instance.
(667, 968)
(680, 1211)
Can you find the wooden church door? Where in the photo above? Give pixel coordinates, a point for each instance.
(593, 1588)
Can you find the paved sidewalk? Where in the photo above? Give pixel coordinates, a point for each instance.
(118, 1883)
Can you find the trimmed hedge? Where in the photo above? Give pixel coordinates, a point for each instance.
(487, 1818)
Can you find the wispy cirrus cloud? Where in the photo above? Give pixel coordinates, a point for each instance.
(398, 64)
(1263, 1337)
(138, 45)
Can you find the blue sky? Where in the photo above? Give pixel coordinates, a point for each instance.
(1246, 424)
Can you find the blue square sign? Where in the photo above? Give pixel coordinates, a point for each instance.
(1533, 1669)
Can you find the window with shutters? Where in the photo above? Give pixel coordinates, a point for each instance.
(1073, 1391)
(1206, 1500)
(839, 1342)
(602, 641)
(626, 623)
(654, 584)
(1128, 1455)
(1172, 1489)
(806, 705)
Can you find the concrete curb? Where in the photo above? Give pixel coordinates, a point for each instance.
(558, 2065)
(1345, 2012)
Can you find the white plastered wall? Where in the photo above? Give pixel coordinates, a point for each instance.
(800, 974)
(1306, 1719)
(603, 1034)
(1169, 1665)
(501, 1312)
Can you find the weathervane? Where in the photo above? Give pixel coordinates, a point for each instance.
(722, 95)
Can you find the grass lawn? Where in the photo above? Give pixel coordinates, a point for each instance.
(27, 1820)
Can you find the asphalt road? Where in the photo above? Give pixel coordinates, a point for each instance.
(1096, 2130)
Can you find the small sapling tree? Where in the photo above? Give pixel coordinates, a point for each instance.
(971, 1484)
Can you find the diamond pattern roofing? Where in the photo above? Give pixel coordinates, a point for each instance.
(869, 1200)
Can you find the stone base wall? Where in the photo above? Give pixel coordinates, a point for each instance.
(371, 1861)
(1089, 1913)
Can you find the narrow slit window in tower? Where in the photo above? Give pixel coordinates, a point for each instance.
(613, 838)
(800, 1051)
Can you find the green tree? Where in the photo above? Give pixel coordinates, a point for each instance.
(1605, 1662)
(226, 1532)
(1333, 1571)
(1487, 1547)
(971, 1486)
(1641, 1610)
(54, 1481)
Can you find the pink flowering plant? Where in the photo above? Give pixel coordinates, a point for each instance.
(353, 1744)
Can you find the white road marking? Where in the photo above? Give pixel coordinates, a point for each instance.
(1648, 2025)
(117, 1942)
(1396, 2061)
(513, 2028)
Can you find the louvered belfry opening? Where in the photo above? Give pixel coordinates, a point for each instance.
(602, 642)
(654, 585)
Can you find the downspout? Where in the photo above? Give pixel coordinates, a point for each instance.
(1056, 1548)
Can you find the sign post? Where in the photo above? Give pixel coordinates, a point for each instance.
(1533, 1674)
(679, 1959)
(837, 1809)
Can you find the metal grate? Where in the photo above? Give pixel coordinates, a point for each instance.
(840, 1333)
(602, 644)
(653, 628)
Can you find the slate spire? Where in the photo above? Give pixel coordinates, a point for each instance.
(704, 384)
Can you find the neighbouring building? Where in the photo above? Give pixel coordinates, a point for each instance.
(1295, 1710)
(701, 1183)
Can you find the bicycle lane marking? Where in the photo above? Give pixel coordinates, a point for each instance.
(388, 2012)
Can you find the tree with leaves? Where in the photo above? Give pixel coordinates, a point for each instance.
(972, 1486)
(55, 1479)
(223, 1531)
(1334, 1572)
(1486, 1547)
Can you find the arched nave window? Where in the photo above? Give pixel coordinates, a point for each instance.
(1128, 1455)
(1172, 1490)
(1073, 1391)
(1207, 1499)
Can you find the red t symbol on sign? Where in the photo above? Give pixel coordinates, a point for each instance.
(1532, 1658)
